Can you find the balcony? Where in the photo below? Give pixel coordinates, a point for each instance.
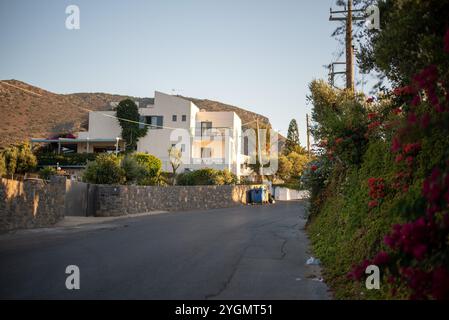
(212, 132)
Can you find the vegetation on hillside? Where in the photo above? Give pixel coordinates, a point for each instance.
(380, 185)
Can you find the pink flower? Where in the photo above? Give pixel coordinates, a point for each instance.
(425, 121)
(412, 119)
(446, 41)
(358, 271)
(440, 283)
(416, 101)
(419, 251)
(381, 258)
(396, 145)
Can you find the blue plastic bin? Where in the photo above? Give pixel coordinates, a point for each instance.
(257, 195)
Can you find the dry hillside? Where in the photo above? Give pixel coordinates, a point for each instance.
(28, 111)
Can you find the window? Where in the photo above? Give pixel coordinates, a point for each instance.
(206, 153)
(183, 147)
(174, 118)
(205, 128)
(155, 122)
(184, 118)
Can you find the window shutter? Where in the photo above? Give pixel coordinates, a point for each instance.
(141, 122)
(160, 122)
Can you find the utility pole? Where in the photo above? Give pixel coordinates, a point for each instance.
(259, 156)
(348, 18)
(349, 50)
(308, 134)
(332, 72)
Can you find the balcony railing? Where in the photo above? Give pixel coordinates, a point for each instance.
(212, 132)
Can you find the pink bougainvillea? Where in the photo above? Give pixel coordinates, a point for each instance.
(416, 255)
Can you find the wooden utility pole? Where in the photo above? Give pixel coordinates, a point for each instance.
(349, 50)
(308, 134)
(348, 18)
(259, 155)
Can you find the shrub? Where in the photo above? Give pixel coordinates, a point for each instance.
(206, 176)
(2, 165)
(132, 170)
(74, 159)
(104, 170)
(46, 172)
(152, 167)
(19, 159)
(26, 160)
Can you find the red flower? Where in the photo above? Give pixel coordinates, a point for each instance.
(373, 204)
(339, 140)
(399, 158)
(374, 125)
(372, 116)
(402, 91)
(314, 168)
(412, 148)
(397, 111)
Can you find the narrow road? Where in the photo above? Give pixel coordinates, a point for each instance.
(248, 252)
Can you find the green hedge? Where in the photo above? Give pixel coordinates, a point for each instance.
(70, 159)
(206, 176)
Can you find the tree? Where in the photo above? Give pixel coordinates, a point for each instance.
(299, 162)
(175, 156)
(104, 170)
(292, 137)
(128, 117)
(284, 168)
(410, 39)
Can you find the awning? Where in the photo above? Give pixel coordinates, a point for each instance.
(69, 141)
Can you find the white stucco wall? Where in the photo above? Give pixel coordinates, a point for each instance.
(158, 141)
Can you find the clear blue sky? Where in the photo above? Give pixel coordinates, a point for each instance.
(256, 54)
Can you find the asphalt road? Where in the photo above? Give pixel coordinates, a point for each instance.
(248, 252)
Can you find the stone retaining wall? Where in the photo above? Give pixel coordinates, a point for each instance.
(123, 200)
(31, 203)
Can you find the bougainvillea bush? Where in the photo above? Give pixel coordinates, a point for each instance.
(390, 209)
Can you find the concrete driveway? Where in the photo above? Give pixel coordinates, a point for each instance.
(248, 252)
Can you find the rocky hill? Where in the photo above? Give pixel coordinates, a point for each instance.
(28, 111)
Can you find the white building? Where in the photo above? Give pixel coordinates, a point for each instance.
(206, 139)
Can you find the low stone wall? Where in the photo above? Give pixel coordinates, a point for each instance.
(123, 200)
(31, 203)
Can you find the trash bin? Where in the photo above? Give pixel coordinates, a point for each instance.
(258, 195)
